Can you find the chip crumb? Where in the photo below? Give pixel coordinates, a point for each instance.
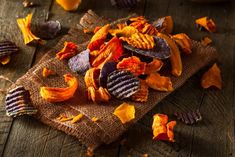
(90, 152)
(77, 118)
(206, 41)
(94, 119)
(47, 72)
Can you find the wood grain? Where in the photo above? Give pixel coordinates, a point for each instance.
(213, 137)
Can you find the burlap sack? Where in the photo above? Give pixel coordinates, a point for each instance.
(109, 127)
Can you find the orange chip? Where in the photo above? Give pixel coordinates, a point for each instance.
(98, 95)
(142, 94)
(158, 82)
(153, 66)
(97, 29)
(91, 77)
(125, 32)
(94, 119)
(162, 129)
(206, 41)
(77, 118)
(184, 42)
(5, 60)
(132, 64)
(24, 25)
(125, 112)
(56, 94)
(121, 25)
(47, 72)
(141, 41)
(212, 78)
(98, 39)
(206, 23)
(70, 49)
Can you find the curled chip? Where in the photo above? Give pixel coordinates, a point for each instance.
(80, 63)
(47, 72)
(122, 84)
(132, 64)
(127, 31)
(164, 24)
(92, 78)
(206, 41)
(184, 42)
(98, 95)
(206, 23)
(47, 30)
(141, 41)
(24, 25)
(108, 68)
(212, 78)
(158, 82)
(54, 94)
(77, 118)
(70, 49)
(153, 66)
(161, 49)
(111, 51)
(189, 117)
(125, 112)
(18, 102)
(98, 39)
(142, 94)
(175, 57)
(162, 129)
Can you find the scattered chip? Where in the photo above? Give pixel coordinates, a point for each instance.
(122, 84)
(184, 42)
(77, 118)
(189, 117)
(125, 112)
(94, 119)
(206, 23)
(212, 78)
(206, 41)
(70, 49)
(47, 72)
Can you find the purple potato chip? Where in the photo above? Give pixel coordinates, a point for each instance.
(7, 48)
(160, 51)
(80, 63)
(107, 68)
(47, 30)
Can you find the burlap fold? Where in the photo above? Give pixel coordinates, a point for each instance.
(109, 127)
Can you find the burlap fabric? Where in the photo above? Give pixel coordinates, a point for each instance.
(109, 127)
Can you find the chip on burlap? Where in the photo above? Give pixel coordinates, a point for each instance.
(109, 127)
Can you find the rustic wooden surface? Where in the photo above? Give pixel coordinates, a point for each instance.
(213, 137)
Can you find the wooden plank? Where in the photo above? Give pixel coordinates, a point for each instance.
(212, 137)
(20, 63)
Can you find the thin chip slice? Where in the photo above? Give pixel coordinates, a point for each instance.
(153, 66)
(94, 119)
(141, 41)
(127, 31)
(142, 94)
(206, 41)
(24, 25)
(184, 42)
(69, 50)
(212, 78)
(125, 112)
(5, 60)
(206, 23)
(132, 64)
(47, 72)
(92, 78)
(77, 118)
(158, 82)
(122, 84)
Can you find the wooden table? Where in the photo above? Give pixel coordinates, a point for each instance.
(213, 137)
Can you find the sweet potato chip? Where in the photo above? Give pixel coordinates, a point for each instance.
(63, 118)
(158, 82)
(212, 78)
(94, 119)
(100, 95)
(54, 94)
(142, 94)
(153, 66)
(98, 39)
(47, 72)
(92, 78)
(97, 29)
(113, 49)
(184, 42)
(164, 24)
(175, 57)
(77, 118)
(69, 50)
(206, 23)
(162, 129)
(206, 41)
(125, 112)
(141, 41)
(125, 32)
(24, 25)
(132, 64)
(5, 60)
